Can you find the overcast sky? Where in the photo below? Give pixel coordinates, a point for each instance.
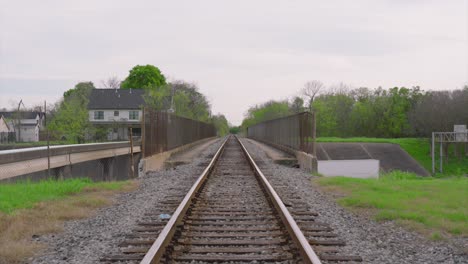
(238, 52)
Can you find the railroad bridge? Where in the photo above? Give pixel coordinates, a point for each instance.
(232, 212)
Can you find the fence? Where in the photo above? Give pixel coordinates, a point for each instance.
(295, 131)
(162, 131)
(7, 137)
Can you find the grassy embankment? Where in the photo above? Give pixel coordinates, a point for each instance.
(28, 209)
(434, 206)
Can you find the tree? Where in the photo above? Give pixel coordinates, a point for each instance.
(71, 120)
(266, 111)
(311, 90)
(144, 77)
(297, 105)
(221, 124)
(182, 97)
(111, 83)
(234, 129)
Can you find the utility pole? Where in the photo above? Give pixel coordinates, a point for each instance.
(19, 120)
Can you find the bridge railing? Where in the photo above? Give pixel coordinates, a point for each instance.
(296, 132)
(162, 131)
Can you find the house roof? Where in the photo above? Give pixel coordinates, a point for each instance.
(116, 99)
(23, 115)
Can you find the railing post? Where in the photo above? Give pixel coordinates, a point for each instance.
(433, 153)
(143, 133)
(314, 135)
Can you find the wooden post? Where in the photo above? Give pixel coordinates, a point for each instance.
(314, 135)
(131, 153)
(48, 142)
(143, 134)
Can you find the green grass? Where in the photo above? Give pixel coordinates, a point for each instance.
(437, 206)
(14, 196)
(418, 148)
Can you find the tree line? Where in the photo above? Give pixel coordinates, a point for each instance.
(343, 111)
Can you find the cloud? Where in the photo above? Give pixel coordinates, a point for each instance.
(239, 52)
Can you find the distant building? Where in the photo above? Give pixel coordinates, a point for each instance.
(4, 128)
(26, 125)
(116, 110)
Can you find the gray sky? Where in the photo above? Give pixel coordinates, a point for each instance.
(238, 52)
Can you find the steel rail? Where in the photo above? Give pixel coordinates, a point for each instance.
(306, 251)
(157, 249)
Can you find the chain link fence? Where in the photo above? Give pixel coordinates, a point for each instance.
(296, 132)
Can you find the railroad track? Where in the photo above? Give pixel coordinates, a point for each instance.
(231, 214)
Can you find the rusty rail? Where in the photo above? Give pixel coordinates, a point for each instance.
(307, 253)
(159, 246)
(157, 249)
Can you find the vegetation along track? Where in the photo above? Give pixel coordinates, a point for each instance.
(231, 214)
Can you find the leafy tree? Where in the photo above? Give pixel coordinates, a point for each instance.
(267, 111)
(158, 98)
(144, 77)
(221, 124)
(234, 129)
(71, 120)
(297, 105)
(183, 97)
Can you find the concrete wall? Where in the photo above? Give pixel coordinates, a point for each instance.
(306, 161)
(157, 161)
(349, 168)
(106, 169)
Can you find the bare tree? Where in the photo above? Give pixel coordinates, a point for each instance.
(340, 88)
(311, 90)
(112, 82)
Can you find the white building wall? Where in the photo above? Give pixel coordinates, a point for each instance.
(29, 134)
(123, 116)
(3, 125)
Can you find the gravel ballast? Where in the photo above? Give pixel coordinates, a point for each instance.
(382, 242)
(87, 240)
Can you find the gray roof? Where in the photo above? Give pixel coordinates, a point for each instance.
(116, 99)
(23, 115)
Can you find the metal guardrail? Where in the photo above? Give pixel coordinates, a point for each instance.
(162, 131)
(296, 132)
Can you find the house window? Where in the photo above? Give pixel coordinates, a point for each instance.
(116, 113)
(98, 115)
(133, 115)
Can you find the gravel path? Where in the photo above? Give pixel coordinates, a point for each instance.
(87, 240)
(374, 242)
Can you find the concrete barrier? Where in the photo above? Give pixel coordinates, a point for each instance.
(306, 161)
(100, 161)
(157, 161)
(349, 168)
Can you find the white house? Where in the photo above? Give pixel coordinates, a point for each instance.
(26, 125)
(118, 110)
(4, 128)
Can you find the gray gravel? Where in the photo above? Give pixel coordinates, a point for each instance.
(374, 242)
(87, 240)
